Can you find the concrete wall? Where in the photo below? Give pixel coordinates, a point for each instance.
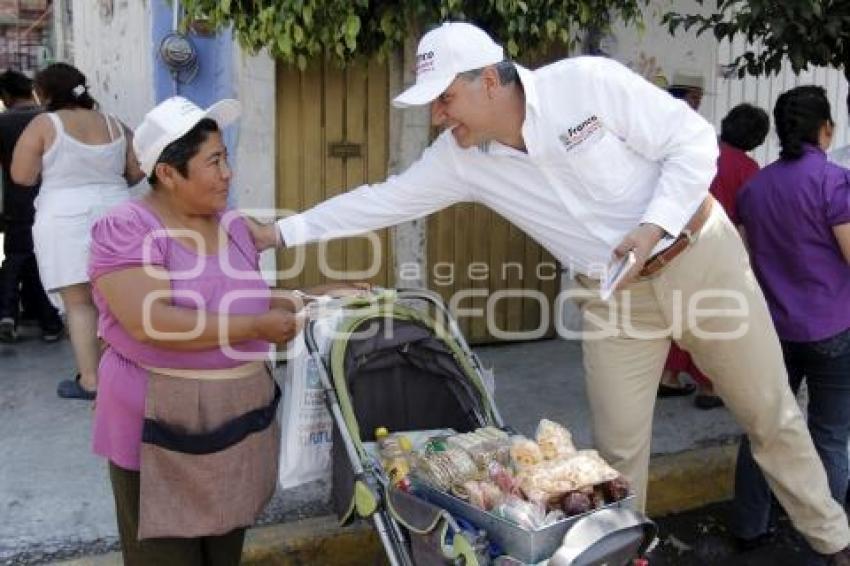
(409, 136)
(254, 185)
(63, 40)
(112, 47)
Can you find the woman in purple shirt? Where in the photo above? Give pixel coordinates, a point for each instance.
(796, 219)
(186, 406)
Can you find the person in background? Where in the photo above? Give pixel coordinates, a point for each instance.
(795, 215)
(841, 155)
(20, 284)
(85, 161)
(741, 130)
(689, 88)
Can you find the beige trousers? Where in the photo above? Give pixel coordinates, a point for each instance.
(709, 302)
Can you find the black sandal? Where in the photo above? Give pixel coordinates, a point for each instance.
(707, 401)
(71, 389)
(673, 391)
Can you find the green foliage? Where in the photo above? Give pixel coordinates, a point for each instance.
(297, 31)
(807, 32)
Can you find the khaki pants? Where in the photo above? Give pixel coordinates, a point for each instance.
(708, 290)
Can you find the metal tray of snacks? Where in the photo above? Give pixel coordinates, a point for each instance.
(529, 546)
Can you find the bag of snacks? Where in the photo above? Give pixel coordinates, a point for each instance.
(445, 469)
(553, 478)
(525, 453)
(555, 441)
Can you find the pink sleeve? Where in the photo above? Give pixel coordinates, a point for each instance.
(122, 239)
(237, 227)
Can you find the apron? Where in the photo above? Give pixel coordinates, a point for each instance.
(210, 446)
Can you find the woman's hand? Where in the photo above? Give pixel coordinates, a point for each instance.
(278, 325)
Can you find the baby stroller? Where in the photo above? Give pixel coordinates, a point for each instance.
(397, 359)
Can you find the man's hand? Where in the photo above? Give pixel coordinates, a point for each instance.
(265, 235)
(641, 241)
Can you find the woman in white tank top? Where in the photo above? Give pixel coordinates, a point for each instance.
(86, 163)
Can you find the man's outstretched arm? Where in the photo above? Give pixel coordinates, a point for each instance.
(432, 183)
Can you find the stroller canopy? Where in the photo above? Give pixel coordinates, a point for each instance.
(396, 367)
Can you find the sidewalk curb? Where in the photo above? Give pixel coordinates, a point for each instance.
(677, 482)
(691, 479)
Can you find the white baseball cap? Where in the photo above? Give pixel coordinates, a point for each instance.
(170, 120)
(452, 48)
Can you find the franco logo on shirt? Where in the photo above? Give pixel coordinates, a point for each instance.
(579, 133)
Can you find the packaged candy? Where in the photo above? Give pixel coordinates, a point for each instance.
(433, 469)
(493, 496)
(447, 468)
(481, 494)
(470, 491)
(493, 433)
(503, 478)
(436, 444)
(527, 515)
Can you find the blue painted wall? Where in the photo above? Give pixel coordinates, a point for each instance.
(214, 80)
(215, 55)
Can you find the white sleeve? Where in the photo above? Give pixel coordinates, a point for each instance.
(663, 129)
(432, 183)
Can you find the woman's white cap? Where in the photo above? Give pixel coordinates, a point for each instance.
(170, 120)
(452, 48)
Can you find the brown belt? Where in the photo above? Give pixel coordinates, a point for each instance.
(688, 236)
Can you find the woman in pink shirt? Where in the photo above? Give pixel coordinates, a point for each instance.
(186, 405)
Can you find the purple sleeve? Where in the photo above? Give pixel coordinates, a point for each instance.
(838, 198)
(123, 239)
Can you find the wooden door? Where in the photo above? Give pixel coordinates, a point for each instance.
(332, 136)
(501, 282)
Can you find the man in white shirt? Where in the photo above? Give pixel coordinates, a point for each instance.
(593, 161)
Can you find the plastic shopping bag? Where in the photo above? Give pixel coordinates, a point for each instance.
(306, 424)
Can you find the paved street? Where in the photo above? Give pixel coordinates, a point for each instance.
(697, 538)
(55, 499)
